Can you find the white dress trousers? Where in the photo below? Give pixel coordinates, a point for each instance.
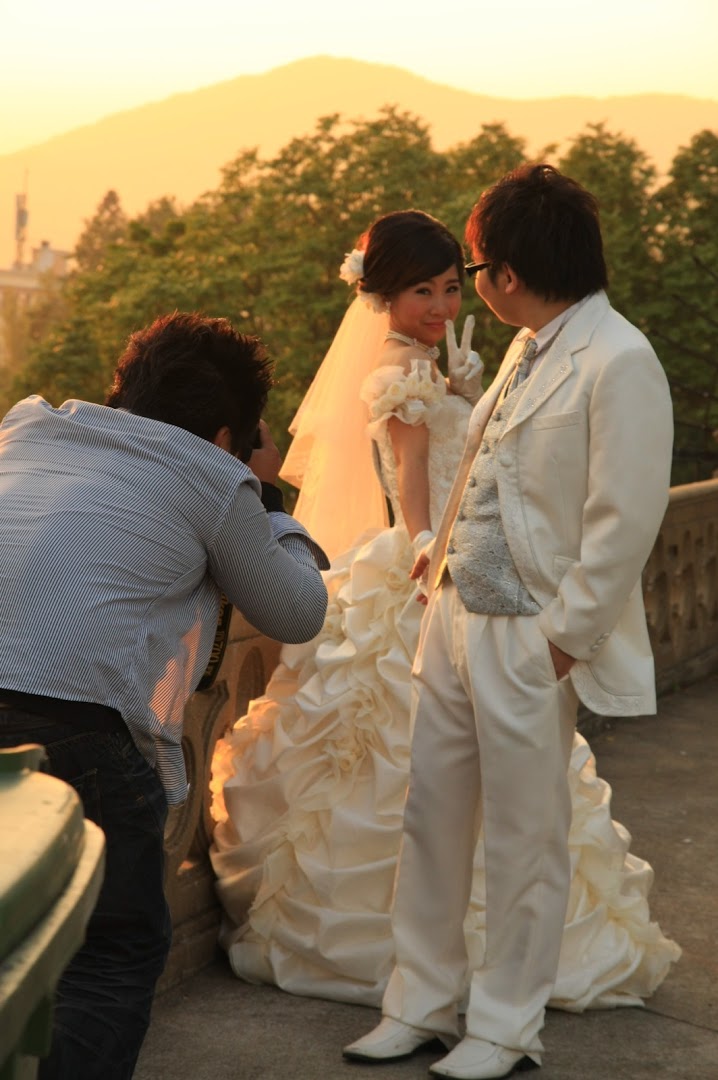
(493, 730)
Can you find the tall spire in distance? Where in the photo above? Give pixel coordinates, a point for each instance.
(21, 215)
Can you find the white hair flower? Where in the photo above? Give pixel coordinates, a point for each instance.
(373, 301)
(352, 269)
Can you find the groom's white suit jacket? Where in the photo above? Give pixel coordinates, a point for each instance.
(583, 472)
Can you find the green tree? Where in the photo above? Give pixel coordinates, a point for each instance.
(24, 325)
(619, 174)
(264, 250)
(473, 166)
(108, 226)
(273, 236)
(685, 314)
(76, 354)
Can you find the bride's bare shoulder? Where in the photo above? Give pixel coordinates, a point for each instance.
(400, 354)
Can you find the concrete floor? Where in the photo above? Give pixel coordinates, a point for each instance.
(664, 772)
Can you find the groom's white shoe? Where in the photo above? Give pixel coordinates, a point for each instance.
(476, 1059)
(390, 1040)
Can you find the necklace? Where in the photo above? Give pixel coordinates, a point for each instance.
(432, 351)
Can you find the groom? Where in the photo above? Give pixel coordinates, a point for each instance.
(537, 605)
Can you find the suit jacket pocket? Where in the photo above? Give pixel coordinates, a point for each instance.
(555, 420)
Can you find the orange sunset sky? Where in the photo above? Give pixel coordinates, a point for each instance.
(66, 64)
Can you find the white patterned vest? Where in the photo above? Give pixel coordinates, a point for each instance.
(477, 555)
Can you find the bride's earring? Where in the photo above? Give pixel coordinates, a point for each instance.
(387, 305)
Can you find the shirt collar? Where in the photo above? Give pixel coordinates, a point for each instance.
(546, 335)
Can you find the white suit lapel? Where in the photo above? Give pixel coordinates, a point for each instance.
(555, 368)
(559, 362)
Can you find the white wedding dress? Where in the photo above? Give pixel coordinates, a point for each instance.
(310, 784)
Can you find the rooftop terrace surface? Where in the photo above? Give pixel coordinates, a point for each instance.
(664, 775)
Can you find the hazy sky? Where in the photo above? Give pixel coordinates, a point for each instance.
(64, 63)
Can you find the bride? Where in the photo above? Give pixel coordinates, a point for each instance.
(309, 786)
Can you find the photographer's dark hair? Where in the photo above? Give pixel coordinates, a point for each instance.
(197, 373)
(406, 247)
(546, 227)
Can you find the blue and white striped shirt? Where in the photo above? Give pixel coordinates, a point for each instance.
(117, 536)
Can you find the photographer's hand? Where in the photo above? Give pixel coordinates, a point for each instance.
(266, 461)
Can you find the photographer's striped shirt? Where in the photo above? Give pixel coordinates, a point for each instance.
(118, 535)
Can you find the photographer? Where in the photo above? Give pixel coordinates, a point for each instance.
(122, 526)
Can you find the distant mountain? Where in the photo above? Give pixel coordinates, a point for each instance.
(178, 146)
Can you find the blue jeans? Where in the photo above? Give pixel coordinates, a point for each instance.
(104, 997)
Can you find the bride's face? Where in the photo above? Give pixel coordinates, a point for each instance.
(421, 310)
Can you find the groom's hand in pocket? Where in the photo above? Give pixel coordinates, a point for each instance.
(562, 662)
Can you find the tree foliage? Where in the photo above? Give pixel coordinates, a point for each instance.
(106, 228)
(264, 248)
(683, 313)
(619, 174)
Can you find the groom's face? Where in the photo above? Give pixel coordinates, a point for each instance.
(490, 291)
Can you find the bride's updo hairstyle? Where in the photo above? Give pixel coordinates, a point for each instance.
(406, 247)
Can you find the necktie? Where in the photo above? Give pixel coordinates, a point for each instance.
(523, 364)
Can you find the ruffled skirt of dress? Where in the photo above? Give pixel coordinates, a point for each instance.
(309, 791)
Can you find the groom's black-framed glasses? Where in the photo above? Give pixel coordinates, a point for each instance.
(471, 269)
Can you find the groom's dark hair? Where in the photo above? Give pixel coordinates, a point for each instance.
(545, 226)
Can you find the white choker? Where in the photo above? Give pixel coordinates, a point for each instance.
(432, 351)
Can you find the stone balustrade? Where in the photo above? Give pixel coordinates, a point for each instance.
(248, 662)
(680, 586)
(681, 595)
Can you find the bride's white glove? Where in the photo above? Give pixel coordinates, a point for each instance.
(421, 541)
(465, 367)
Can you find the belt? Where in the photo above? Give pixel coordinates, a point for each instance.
(86, 715)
